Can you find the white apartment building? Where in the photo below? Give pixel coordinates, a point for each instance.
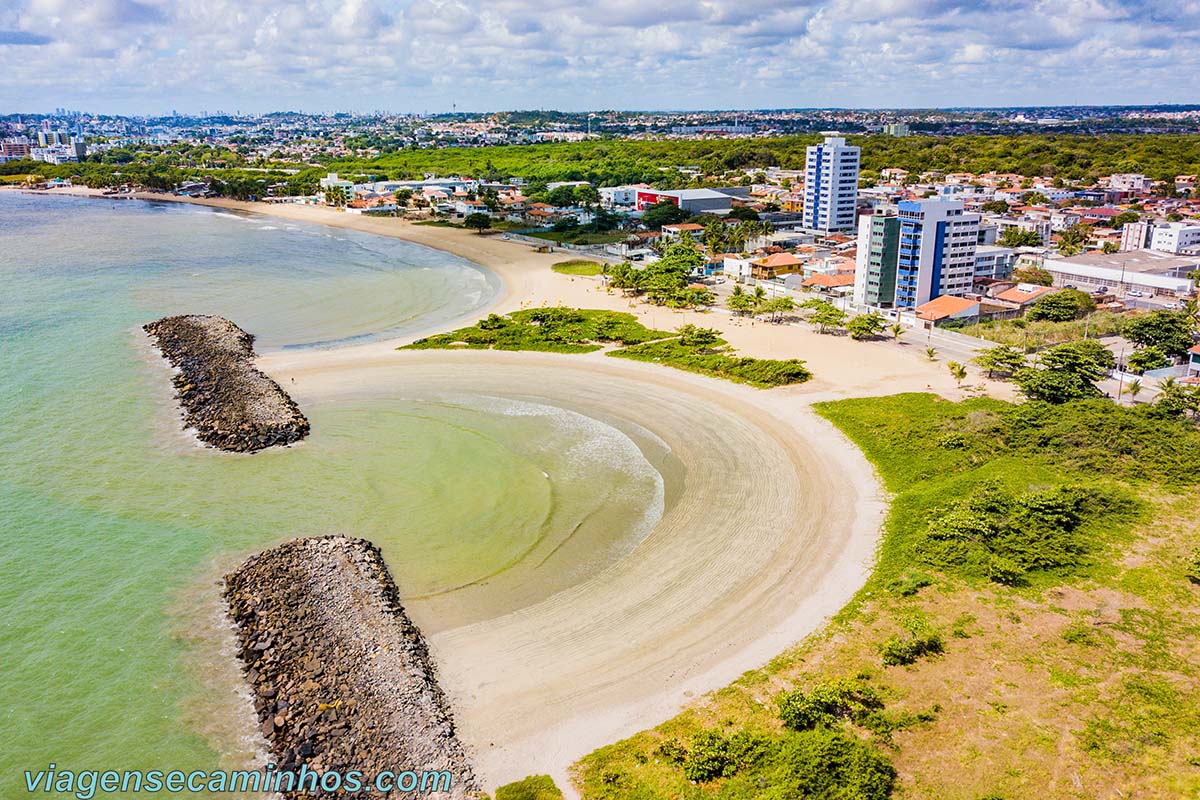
(1174, 237)
(830, 185)
(1130, 182)
(1136, 235)
(937, 250)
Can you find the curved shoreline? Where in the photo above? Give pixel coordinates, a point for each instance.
(774, 531)
(719, 587)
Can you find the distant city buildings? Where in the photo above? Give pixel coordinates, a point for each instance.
(831, 185)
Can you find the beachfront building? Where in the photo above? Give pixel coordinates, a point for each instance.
(875, 270)
(830, 185)
(927, 251)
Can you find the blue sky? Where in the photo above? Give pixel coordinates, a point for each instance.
(151, 56)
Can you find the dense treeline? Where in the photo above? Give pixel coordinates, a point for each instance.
(663, 163)
(611, 162)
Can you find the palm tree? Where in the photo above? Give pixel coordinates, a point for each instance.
(1135, 386)
(897, 330)
(959, 371)
(931, 353)
(760, 295)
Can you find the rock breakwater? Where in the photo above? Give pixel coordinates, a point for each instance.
(342, 679)
(230, 403)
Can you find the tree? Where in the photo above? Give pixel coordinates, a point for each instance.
(1074, 239)
(1062, 306)
(694, 336)
(1170, 331)
(1003, 359)
(1066, 372)
(995, 207)
(562, 196)
(1019, 237)
(931, 353)
(586, 195)
(740, 303)
(957, 371)
(825, 315)
(1147, 358)
(1036, 199)
(1110, 247)
(1125, 217)
(743, 213)
(760, 296)
(897, 330)
(335, 197)
(663, 213)
(478, 221)
(1034, 275)
(865, 326)
(1134, 389)
(777, 307)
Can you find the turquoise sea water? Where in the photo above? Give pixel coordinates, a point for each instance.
(116, 525)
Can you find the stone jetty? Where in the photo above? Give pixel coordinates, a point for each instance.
(225, 398)
(342, 679)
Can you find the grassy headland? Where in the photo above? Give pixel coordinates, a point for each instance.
(572, 330)
(1031, 626)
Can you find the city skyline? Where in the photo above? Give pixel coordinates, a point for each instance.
(155, 56)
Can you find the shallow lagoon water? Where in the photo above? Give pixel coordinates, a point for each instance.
(116, 523)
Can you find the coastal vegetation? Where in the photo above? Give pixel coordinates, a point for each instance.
(550, 330)
(1031, 616)
(571, 330)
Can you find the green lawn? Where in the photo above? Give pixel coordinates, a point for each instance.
(580, 237)
(1080, 656)
(578, 266)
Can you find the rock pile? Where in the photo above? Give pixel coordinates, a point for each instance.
(230, 403)
(342, 679)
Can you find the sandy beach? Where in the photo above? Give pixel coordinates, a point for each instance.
(774, 530)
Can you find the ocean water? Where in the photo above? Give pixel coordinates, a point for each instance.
(116, 526)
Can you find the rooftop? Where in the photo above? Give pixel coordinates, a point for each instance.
(1132, 261)
(946, 305)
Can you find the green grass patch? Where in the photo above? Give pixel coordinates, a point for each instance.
(535, 787)
(763, 373)
(548, 330)
(1027, 335)
(578, 266)
(580, 237)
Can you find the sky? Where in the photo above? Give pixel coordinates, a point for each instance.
(155, 56)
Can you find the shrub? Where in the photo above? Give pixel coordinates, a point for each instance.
(1193, 566)
(1081, 633)
(825, 763)
(535, 787)
(707, 758)
(827, 703)
(899, 650)
(910, 583)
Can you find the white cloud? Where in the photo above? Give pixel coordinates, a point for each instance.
(150, 55)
